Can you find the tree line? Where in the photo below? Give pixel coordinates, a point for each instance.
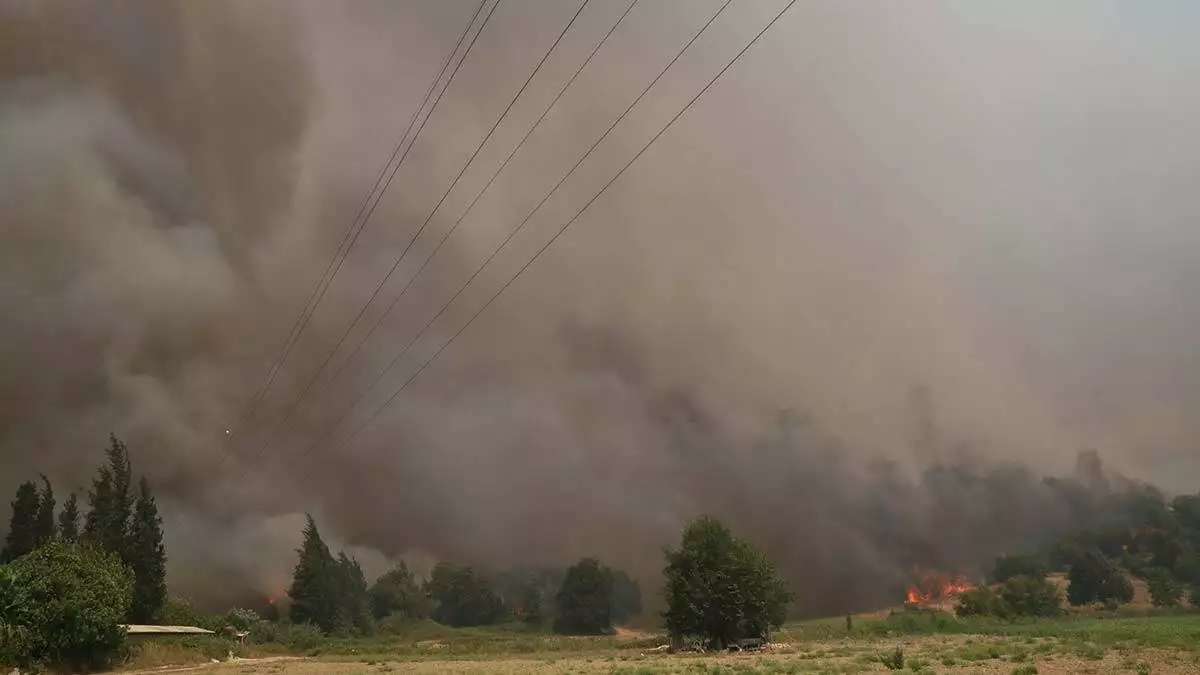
(331, 593)
(1134, 532)
(65, 586)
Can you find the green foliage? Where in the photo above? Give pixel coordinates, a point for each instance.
(22, 526)
(1009, 566)
(111, 502)
(1017, 597)
(46, 528)
(314, 590)
(1094, 578)
(585, 600)
(719, 588)
(147, 558)
(179, 612)
(462, 597)
(893, 660)
(68, 519)
(300, 637)
(70, 600)
(353, 601)
(627, 597)
(397, 593)
(1165, 591)
(242, 619)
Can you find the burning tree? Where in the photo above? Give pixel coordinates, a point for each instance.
(934, 587)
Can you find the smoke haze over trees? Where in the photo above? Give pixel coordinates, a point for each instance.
(955, 291)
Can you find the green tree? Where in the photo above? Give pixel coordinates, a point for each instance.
(532, 608)
(1094, 578)
(68, 519)
(1030, 596)
(46, 528)
(462, 597)
(720, 588)
(585, 600)
(70, 599)
(147, 558)
(396, 593)
(627, 597)
(315, 584)
(354, 608)
(1165, 591)
(22, 526)
(111, 502)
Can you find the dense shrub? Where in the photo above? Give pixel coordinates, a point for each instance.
(1165, 591)
(67, 602)
(300, 637)
(585, 600)
(1018, 597)
(1095, 578)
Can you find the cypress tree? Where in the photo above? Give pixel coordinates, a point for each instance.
(314, 582)
(46, 529)
(68, 519)
(22, 527)
(147, 558)
(111, 501)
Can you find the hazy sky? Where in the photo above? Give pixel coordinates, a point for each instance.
(972, 217)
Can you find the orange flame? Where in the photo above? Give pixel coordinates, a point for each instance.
(936, 586)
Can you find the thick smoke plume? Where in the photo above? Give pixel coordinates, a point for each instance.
(953, 244)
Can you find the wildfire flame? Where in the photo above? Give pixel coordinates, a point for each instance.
(936, 586)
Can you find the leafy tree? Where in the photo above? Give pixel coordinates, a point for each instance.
(147, 558)
(1030, 596)
(463, 597)
(1094, 578)
(1009, 566)
(1165, 591)
(719, 588)
(70, 598)
(68, 519)
(627, 597)
(314, 582)
(22, 526)
(981, 601)
(397, 593)
(46, 529)
(111, 502)
(585, 600)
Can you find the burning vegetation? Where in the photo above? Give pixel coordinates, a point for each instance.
(934, 587)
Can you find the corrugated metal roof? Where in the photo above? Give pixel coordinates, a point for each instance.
(142, 629)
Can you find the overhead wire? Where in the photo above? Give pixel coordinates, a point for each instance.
(320, 370)
(482, 191)
(387, 403)
(326, 278)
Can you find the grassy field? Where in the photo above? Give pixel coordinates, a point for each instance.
(912, 643)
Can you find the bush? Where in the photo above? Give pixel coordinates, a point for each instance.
(893, 660)
(1019, 596)
(1009, 566)
(300, 637)
(1027, 596)
(980, 601)
(67, 602)
(1165, 591)
(179, 612)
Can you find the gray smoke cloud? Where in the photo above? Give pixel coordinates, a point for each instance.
(955, 234)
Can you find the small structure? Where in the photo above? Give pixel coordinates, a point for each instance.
(143, 631)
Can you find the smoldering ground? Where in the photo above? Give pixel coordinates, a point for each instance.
(936, 233)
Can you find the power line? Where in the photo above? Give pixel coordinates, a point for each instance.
(379, 409)
(320, 370)
(318, 291)
(478, 195)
